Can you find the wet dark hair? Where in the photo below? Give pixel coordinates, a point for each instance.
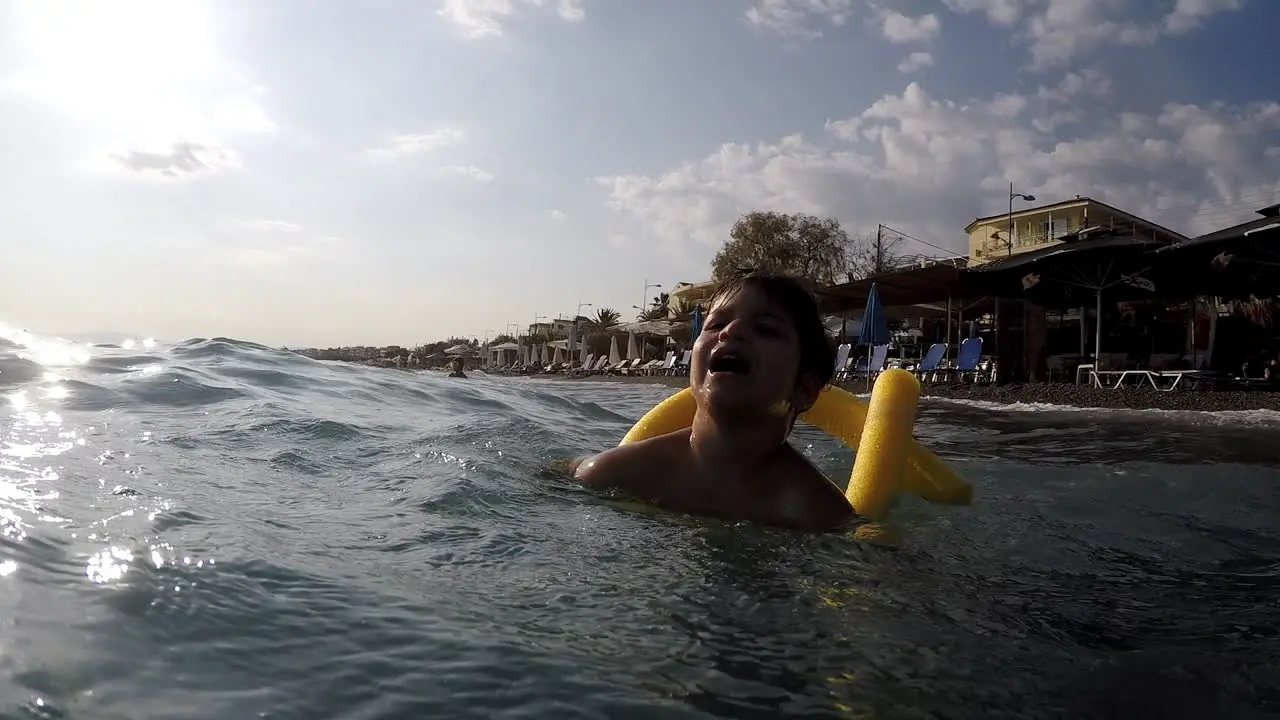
(790, 293)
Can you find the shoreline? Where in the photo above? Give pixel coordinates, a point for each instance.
(1062, 394)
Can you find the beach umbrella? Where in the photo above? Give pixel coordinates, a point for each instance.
(875, 327)
(558, 356)
(695, 327)
(582, 353)
(614, 356)
(572, 328)
(1235, 262)
(632, 353)
(1074, 272)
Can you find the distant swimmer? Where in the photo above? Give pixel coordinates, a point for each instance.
(760, 361)
(456, 365)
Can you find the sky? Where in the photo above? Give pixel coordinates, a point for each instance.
(324, 172)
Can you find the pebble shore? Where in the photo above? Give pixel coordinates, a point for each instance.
(1083, 396)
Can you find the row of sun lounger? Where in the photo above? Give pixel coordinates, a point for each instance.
(594, 365)
(933, 367)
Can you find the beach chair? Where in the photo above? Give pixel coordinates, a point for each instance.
(645, 368)
(682, 367)
(967, 360)
(629, 365)
(870, 369)
(585, 369)
(931, 361)
(842, 359)
(665, 366)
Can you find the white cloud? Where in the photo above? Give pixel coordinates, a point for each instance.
(915, 62)
(471, 172)
(928, 166)
(1058, 31)
(999, 12)
(1188, 15)
(901, 29)
(414, 143)
(795, 18)
(558, 215)
(182, 160)
(267, 226)
(571, 10)
(481, 19)
(260, 243)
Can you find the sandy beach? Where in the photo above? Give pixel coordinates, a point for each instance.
(1047, 393)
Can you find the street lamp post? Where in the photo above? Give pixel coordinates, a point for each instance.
(999, 373)
(1012, 195)
(488, 354)
(645, 295)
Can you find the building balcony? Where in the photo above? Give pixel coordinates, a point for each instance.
(996, 247)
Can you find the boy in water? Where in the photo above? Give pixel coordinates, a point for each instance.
(760, 361)
(456, 365)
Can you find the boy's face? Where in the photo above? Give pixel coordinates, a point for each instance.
(747, 356)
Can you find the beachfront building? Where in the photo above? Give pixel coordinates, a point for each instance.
(688, 294)
(1007, 234)
(559, 327)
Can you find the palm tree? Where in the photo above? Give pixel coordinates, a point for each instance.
(605, 318)
(657, 309)
(681, 311)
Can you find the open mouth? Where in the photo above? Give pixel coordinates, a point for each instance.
(727, 363)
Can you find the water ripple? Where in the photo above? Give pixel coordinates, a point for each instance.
(221, 529)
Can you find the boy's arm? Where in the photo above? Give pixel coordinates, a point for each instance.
(629, 468)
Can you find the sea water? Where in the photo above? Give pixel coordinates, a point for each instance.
(216, 529)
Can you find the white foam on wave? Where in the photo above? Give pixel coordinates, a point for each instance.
(1252, 418)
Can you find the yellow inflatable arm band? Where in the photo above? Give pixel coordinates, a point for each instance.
(888, 460)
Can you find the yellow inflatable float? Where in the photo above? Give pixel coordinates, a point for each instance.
(888, 462)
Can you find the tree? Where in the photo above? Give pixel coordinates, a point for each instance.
(814, 248)
(872, 254)
(605, 318)
(657, 308)
(502, 339)
(681, 310)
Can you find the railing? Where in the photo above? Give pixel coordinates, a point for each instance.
(995, 247)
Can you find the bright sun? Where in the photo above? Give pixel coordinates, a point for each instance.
(149, 69)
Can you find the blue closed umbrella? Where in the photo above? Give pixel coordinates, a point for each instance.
(696, 328)
(875, 327)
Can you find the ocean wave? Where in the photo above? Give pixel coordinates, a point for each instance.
(268, 534)
(1257, 418)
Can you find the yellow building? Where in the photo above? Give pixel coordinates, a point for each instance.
(691, 293)
(998, 236)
